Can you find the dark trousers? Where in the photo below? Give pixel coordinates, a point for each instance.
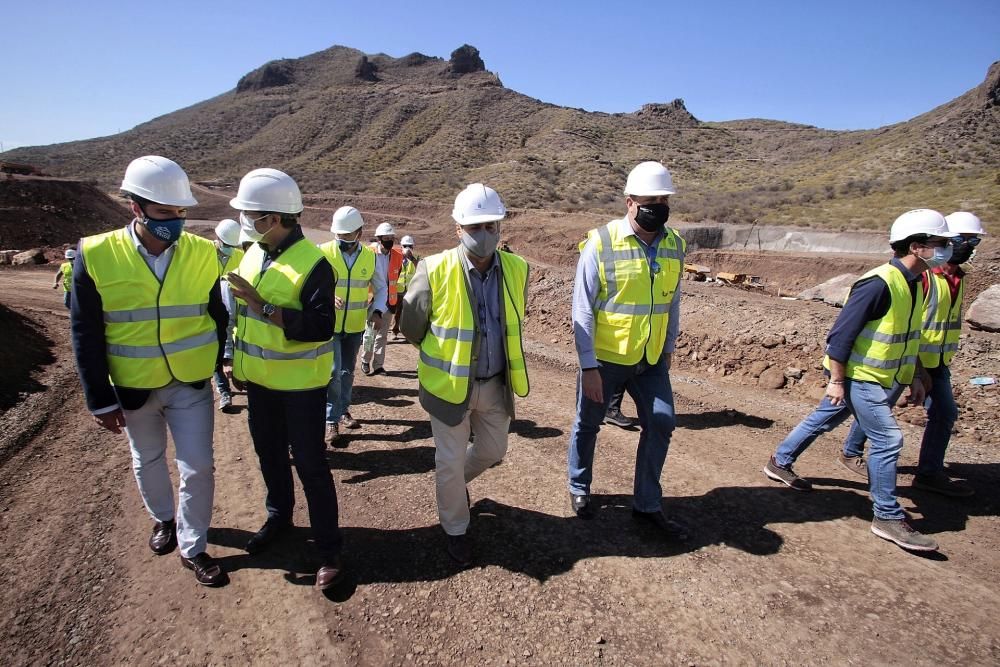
(280, 420)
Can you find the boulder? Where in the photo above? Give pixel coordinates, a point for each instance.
(465, 60)
(985, 310)
(7, 256)
(834, 291)
(773, 340)
(758, 367)
(772, 378)
(33, 256)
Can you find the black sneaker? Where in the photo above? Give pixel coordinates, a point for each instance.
(939, 482)
(786, 476)
(615, 416)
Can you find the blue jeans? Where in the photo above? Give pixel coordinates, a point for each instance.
(66, 297)
(941, 416)
(341, 386)
(871, 404)
(649, 387)
(221, 382)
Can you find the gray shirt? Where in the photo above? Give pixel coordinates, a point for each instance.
(490, 357)
(586, 288)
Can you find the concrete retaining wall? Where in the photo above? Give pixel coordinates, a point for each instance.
(789, 239)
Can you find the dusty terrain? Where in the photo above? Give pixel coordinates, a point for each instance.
(772, 576)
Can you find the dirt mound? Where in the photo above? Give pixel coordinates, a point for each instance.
(26, 348)
(37, 212)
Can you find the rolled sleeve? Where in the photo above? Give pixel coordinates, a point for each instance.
(586, 287)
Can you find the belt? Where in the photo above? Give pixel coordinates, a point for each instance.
(495, 375)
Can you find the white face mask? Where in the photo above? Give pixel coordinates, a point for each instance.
(247, 224)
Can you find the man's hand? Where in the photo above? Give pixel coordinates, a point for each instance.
(113, 421)
(244, 290)
(338, 303)
(593, 386)
(376, 320)
(917, 393)
(835, 392)
(668, 358)
(239, 385)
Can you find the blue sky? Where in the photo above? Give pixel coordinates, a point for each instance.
(96, 68)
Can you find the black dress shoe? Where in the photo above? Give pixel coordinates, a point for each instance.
(329, 573)
(582, 506)
(206, 571)
(377, 371)
(672, 530)
(272, 529)
(164, 537)
(460, 549)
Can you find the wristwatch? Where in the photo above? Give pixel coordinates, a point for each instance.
(268, 309)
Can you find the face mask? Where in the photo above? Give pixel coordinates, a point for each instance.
(387, 243)
(347, 246)
(481, 243)
(247, 225)
(652, 217)
(961, 254)
(940, 256)
(226, 250)
(167, 231)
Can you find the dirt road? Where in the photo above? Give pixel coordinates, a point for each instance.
(773, 576)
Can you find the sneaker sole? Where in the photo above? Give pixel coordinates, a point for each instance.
(776, 478)
(899, 543)
(618, 423)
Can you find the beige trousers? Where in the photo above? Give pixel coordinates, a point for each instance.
(458, 462)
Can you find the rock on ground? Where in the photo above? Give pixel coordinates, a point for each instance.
(985, 310)
(833, 291)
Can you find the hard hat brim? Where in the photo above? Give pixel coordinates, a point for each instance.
(651, 193)
(334, 229)
(476, 219)
(243, 205)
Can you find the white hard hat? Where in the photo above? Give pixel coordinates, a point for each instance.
(385, 229)
(962, 222)
(346, 219)
(228, 232)
(478, 203)
(268, 190)
(649, 179)
(70, 254)
(407, 242)
(919, 221)
(159, 180)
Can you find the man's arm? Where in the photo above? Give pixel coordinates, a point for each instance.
(415, 316)
(86, 317)
(586, 287)
(869, 300)
(380, 288)
(218, 312)
(314, 323)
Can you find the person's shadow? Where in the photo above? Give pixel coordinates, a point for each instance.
(390, 397)
(375, 463)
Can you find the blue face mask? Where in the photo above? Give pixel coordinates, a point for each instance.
(940, 256)
(167, 231)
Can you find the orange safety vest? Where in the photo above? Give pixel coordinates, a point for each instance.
(395, 266)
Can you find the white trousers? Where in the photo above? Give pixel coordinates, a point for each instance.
(189, 415)
(458, 462)
(373, 352)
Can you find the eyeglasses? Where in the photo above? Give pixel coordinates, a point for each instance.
(961, 240)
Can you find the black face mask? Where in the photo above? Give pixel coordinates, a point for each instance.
(347, 246)
(652, 217)
(387, 244)
(960, 254)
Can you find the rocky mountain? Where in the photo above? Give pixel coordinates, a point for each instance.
(343, 121)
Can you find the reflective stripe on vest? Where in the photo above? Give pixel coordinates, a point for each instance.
(445, 362)
(67, 276)
(406, 274)
(885, 350)
(262, 354)
(352, 286)
(632, 311)
(155, 332)
(942, 324)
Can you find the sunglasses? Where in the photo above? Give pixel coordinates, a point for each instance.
(961, 240)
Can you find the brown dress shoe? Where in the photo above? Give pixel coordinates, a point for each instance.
(164, 537)
(329, 574)
(206, 570)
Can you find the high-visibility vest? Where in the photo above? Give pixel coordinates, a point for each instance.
(445, 362)
(232, 262)
(155, 332)
(67, 276)
(633, 304)
(352, 286)
(886, 349)
(942, 321)
(262, 354)
(406, 273)
(395, 264)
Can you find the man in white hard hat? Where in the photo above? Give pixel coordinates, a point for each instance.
(354, 266)
(388, 262)
(871, 357)
(148, 325)
(229, 253)
(64, 276)
(463, 309)
(944, 291)
(284, 357)
(626, 311)
(410, 260)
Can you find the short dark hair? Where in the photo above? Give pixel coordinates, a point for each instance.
(902, 248)
(141, 201)
(288, 220)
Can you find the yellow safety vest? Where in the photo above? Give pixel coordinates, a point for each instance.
(352, 286)
(406, 274)
(67, 275)
(886, 349)
(633, 305)
(155, 332)
(232, 262)
(262, 354)
(942, 321)
(446, 352)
